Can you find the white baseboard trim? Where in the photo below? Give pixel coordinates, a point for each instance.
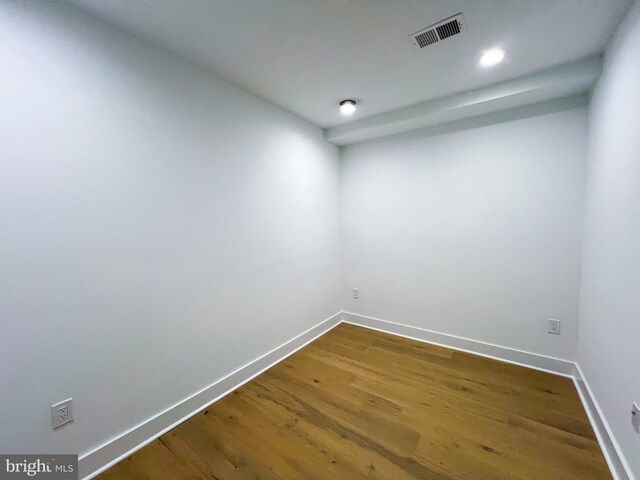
(100, 459)
(557, 366)
(618, 465)
(620, 469)
(110, 453)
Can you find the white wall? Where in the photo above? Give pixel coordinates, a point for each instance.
(475, 233)
(609, 338)
(158, 228)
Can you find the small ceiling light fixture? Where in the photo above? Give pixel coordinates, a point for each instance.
(492, 57)
(347, 107)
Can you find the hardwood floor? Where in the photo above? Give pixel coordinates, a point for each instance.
(358, 404)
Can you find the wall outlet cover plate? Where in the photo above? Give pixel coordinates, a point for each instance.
(61, 413)
(554, 326)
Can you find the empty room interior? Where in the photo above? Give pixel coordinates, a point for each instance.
(320, 239)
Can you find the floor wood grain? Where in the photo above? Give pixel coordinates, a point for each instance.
(360, 404)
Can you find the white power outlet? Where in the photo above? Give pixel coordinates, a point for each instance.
(356, 293)
(635, 416)
(61, 413)
(554, 326)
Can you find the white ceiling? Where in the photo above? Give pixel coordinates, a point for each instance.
(306, 55)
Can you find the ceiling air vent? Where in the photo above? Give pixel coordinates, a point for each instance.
(438, 31)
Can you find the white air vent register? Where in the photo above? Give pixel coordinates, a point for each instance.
(438, 31)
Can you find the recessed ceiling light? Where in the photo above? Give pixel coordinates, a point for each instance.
(347, 107)
(492, 57)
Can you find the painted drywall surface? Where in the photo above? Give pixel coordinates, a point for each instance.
(609, 337)
(159, 228)
(475, 233)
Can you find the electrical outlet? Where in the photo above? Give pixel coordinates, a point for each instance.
(61, 413)
(554, 326)
(635, 416)
(356, 293)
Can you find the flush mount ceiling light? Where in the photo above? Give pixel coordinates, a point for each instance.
(492, 57)
(347, 107)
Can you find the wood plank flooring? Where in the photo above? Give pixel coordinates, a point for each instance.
(360, 404)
